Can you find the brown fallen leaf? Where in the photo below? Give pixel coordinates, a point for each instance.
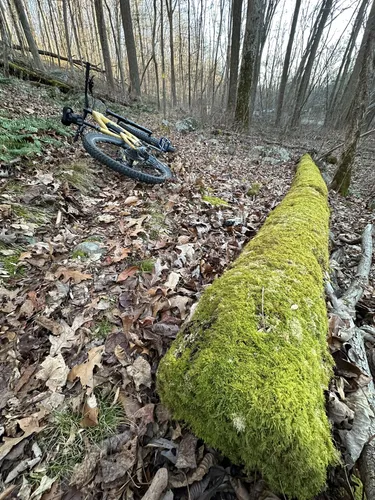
(75, 275)
(27, 309)
(85, 371)
(131, 200)
(54, 372)
(121, 254)
(9, 443)
(130, 271)
(90, 412)
(186, 453)
(140, 370)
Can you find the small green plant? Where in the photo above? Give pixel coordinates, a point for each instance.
(254, 189)
(102, 329)
(215, 201)
(65, 441)
(146, 266)
(10, 264)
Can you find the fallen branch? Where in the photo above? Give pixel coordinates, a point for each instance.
(358, 440)
(158, 485)
(77, 62)
(342, 144)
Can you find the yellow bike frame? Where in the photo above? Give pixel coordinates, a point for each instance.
(126, 136)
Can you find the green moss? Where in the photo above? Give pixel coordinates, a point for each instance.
(79, 254)
(247, 373)
(213, 200)
(254, 189)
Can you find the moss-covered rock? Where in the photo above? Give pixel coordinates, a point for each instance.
(248, 372)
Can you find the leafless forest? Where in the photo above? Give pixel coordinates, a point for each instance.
(270, 59)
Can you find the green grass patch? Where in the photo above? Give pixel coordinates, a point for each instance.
(103, 329)
(31, 214)
(65, 441)
(79, 175)
(254, 189)
(11, 264)
(145, 266)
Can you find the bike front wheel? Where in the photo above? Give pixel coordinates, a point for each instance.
(115, 154)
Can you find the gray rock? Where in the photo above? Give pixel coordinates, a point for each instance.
(90, 249)
(186, 125)
(272, 154)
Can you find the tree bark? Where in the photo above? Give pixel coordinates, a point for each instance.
(234, 55)
(284, 76)
(28, 33)
(170, 11)
(130, 47)
(104, 43)
(249, 58)
(66, 30)
(356, 113)
(306, 75)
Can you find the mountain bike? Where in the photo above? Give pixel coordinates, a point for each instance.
(123, 146)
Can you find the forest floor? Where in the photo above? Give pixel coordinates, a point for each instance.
(99, 272)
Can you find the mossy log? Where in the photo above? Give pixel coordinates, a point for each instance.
(249, 370)
(21, 71)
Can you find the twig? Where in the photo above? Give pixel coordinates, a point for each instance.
(342, 144)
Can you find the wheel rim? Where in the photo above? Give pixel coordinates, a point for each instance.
(121, 156)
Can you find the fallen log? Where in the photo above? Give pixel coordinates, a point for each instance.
(249, 369)
(22, 71)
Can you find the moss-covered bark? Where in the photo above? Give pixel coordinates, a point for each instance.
(248, 372)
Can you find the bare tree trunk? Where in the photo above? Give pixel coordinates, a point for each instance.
(234, 55)
(52, 21)
(137, 20)
(162, 58)
(16, 26)
(343, 73)
(117, 46)
(5, 41)
(75, 32)
(154, 53)
(358, 105)
(284, 76)
(130, 47)
(170, 11)
(249, 56)
(216, 54)
(66, 29)
(344, 106)
(104, 42)
(189, 57)
(28, 33)
(305, 80)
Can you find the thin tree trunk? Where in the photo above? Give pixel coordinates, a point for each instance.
(104, 42)
(189, 58)
(66, 29)
(249, 57)
(163, 58)
(305, 80)
(140, 42)
(343, 115)
(234, 55)
(170, 11)
(342, 178)
(117, 46)
(75, 33)
(284, 76)
(154, 53)
(28, 33)
(14, 19)
(5, 41)
(130, 47)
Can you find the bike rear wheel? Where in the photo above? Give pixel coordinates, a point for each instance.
(116, 155)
